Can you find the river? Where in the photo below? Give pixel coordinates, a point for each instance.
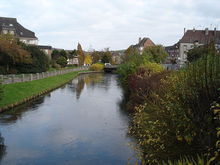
(79, 123)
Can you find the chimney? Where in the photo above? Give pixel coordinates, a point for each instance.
(215, 31)
(206, 31)
(139, 39)
(184, 30)
(194, 30)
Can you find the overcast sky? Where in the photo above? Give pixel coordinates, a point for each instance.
(116, 24)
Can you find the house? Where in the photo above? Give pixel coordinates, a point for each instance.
(73, 61)
(173, 53)
(116, 58)
(194, 38)
(143, 43)
(46, 49)
(11, 26)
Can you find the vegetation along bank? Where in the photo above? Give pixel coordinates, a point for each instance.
(175, 114)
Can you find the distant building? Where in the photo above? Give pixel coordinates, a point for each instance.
(194, 38)
(73, 61)
(143, 43)
(46, 49)
(116, 58)
(11, 26)
(173, 53)
(191, 39)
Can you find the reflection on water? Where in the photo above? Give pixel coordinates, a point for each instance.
(2, 148)
(79, 123)
(91, 81)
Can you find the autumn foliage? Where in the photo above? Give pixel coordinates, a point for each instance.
(11, 54)
(171, 116)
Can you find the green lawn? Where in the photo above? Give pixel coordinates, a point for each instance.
(67, 67)
(16, 93)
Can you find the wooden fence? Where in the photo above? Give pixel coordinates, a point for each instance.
(15, 78)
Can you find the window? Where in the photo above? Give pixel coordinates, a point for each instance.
(10, 24)
(12, 32)
(5, 31)
(21, 33)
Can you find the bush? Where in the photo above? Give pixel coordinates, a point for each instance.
(172, 116)
(12, 54)
(40, 62)
(156, 53)
(96, 67)
(1, 91)
(62, 61)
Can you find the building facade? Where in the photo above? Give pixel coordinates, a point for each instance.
(191, 39)
(11, 26)
(143, 43)
(46, 49)
(194, 38)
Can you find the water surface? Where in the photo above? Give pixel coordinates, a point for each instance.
(80, 123)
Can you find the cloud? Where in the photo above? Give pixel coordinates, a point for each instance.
(115, 24)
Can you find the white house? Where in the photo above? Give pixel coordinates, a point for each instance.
(11, 26)
(192, 38)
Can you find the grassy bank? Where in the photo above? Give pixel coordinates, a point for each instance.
(18, 93)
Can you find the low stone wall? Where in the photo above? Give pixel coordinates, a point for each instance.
(10, 106)
(9, 79)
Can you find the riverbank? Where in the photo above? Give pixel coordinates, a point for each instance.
(172, 112)
(19, 93)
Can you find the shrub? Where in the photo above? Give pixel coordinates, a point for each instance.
(152, 67)
(40, 62)
(62, 61)
(12, 54)
(172, 116)
(1, 91)
(156, 53)
(96, 67)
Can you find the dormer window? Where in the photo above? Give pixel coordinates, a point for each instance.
(10, 24)
(21, 33)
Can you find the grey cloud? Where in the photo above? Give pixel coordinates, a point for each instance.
(115, 24)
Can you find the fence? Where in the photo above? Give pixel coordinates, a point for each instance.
(12, 78)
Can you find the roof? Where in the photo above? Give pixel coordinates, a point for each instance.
(201, 37)
(12, 24)
(44, 47)
(142, 43)
(173, 47)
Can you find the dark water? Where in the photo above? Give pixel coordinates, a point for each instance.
(80, 123)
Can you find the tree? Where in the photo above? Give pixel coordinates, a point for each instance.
(106, 57)
(62, 61)
(63, 53)
(129, 52)
(80, 53)
(55, 54)
(40, 61)
(95, 57)
(72, 54)
(88, 59)
(197, 52)
(12, 54)
(155, 53)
